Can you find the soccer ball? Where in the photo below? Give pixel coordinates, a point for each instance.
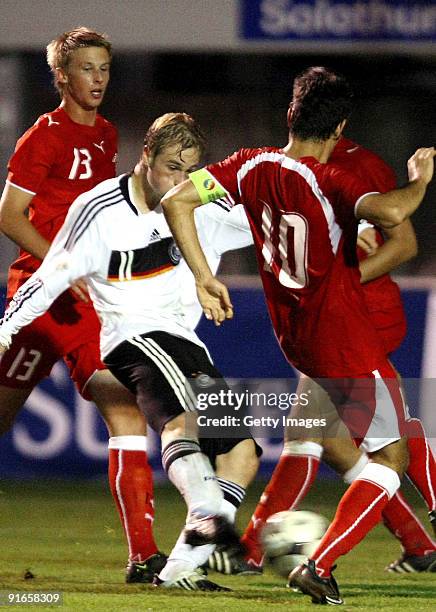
(290, 537)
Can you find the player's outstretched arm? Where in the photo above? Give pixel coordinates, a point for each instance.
(35, 297)
(178, 206)
(66, 262)
(392, 208)
(15, 224)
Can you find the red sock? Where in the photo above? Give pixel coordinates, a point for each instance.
(359, 510)
(422, 466)
(131, 483)
(290, 481)
(399, 518)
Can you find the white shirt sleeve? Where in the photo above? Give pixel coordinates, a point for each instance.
(218, 231)
(223, 230)
(61, 267)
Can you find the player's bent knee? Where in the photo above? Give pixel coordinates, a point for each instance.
(179, 427)
(341, 454)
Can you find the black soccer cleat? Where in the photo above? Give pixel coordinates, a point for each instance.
(144, 571)
(322, 590)
(408, 564)
(432, 519)
(222, 560)
(189, 581)
(213, 530)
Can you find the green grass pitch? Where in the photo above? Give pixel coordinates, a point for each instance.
(69, 537)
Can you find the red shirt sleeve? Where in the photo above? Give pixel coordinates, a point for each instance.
(226, 173)
(34, 155)
(344, 190)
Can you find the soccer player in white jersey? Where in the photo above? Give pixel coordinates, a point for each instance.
(116, 238)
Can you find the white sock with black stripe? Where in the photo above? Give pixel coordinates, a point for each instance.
(177, 449)
(233, 497)
(192, 474)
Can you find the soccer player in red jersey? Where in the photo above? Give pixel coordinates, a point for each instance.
(303, 213)
(299, 461)
(65, 153)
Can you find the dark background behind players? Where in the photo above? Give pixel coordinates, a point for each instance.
(396, 104)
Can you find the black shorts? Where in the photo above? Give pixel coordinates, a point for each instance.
(165, 373)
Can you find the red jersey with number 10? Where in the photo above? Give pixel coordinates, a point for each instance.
(302, 217)
(56, 160)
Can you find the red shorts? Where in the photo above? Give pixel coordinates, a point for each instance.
(70, 330)
(371, 406)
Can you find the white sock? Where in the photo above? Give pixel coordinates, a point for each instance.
(381, 475)
(302, 447)
(351, 474)
(192, 474)
(135, 443)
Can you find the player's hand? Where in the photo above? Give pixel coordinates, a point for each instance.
(367, 240)
(80, 290)
(421, 165)
(215, 300)
(3, 349)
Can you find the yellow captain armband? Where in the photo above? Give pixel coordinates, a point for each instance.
(207, 186)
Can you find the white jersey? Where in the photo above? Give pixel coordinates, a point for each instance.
(130, 262)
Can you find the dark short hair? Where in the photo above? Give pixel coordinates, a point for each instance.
(174, 129)
(321, 99)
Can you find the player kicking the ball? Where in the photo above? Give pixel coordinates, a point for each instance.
(298, 464)
(304, 214)
(116, 238)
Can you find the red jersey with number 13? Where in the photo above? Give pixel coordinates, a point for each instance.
(56, 160)
(304, 228)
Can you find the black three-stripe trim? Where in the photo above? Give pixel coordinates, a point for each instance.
(21, 297)
(88, 214)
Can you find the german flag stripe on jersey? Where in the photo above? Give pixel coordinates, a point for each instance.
(154, 259)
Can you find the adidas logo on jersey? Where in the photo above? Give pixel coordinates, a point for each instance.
(154, 236)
